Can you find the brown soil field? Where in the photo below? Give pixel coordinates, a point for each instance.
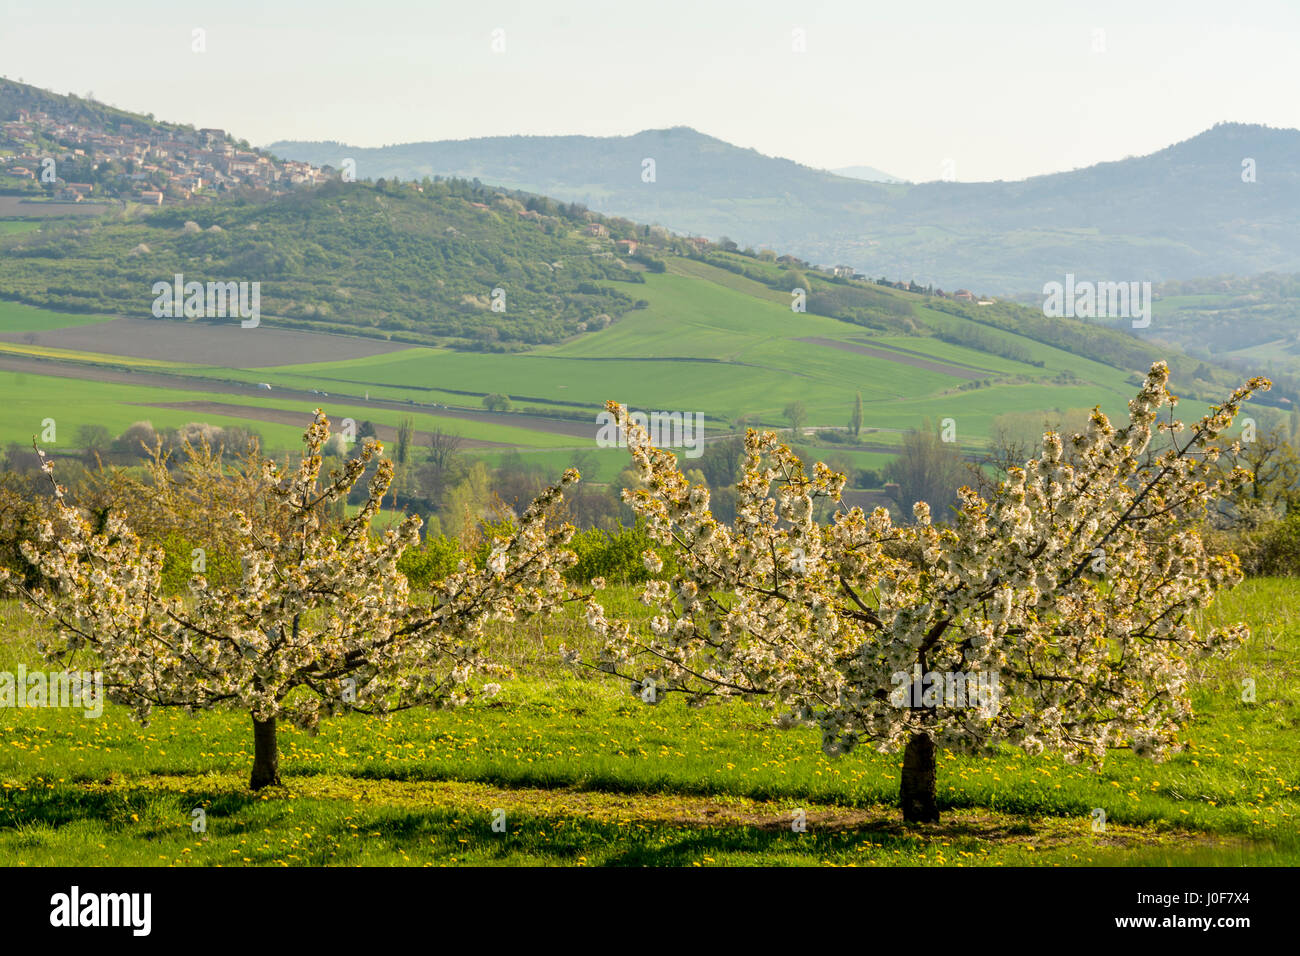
(223, 344)
(889, 355)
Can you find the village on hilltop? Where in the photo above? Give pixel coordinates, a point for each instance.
(68, 162)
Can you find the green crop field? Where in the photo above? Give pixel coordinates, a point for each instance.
(673, 328)
(32, 398)
(713, 335)
(723, 348)
(13, 227)
(701, 346)
(588, 775)
(707, 340)
(17, 317)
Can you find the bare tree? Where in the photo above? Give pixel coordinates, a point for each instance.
(443, 448)
(95, 441)
(928, 469)
(989, 469)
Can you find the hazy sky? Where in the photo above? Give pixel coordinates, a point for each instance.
(1003, 88)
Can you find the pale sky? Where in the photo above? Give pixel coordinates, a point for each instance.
(1003, 88)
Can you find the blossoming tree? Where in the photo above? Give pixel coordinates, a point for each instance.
(322, 620)
(1070, 594)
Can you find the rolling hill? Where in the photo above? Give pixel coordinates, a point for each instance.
(710, 331)
(394, 263)
(1181, 212)
(383, 299)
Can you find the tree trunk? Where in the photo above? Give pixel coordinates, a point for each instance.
(916, 793)
(266, 755)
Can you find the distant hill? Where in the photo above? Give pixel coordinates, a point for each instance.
(425, 264)
(591, 306)
(867, 173)
(1249, 323)
(1178, 213)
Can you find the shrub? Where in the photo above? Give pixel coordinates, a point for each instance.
(1273, 550)
(615, 556)
(428, 564)
(181, 561)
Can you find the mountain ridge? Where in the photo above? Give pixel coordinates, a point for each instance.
(1179, 212)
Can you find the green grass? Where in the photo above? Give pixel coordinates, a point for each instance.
(384, 519)
(29, 399)
(17, 317)
(13, 227)
(606, 463)
(586, 774)
(725, 345)
(724, 348)
(709, 341)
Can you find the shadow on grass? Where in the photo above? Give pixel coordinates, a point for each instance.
(356, 820)
(118, 807)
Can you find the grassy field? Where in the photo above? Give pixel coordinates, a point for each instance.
(30, 399)
(702, 345)
(17, 317)
(587, 775)
(707, 341)
(11, 227)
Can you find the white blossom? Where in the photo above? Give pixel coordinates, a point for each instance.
(322, 620)
(815, 619)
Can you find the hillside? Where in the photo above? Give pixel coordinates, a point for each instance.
(67, 148)
(459, 265)
(451, 293)
(78, 110)
(1178, 213)
(389, 262)
(693, 329)
(1242, 322)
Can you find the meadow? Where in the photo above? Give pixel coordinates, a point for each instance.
(14, 227)
(17, 317)
(588, 775)
(707, 340)
(31, 398)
